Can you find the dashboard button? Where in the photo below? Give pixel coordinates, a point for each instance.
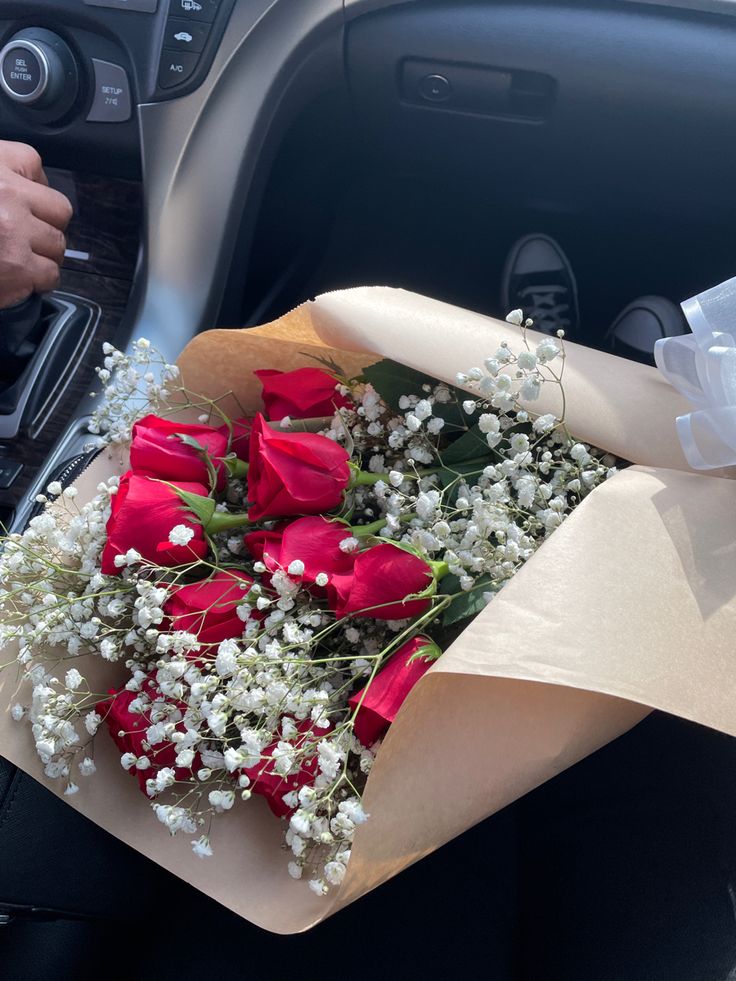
(435, 88)
(185, 35)
(142, 6)
(176, 67)
(24, 73)
(112, 102)
(205, 10)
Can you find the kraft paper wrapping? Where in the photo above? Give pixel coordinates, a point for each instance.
(630, 605)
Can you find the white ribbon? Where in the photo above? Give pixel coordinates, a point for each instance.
(702, 367)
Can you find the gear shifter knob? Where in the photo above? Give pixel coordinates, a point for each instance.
(16, 325)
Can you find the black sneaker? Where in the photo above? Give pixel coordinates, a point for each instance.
(643, 322)
(539, 280)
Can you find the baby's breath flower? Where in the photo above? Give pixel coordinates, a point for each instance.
(202, 848)
(181, 535)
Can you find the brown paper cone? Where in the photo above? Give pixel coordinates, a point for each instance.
(630, 605)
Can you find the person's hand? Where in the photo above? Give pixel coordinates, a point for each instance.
(33, 218)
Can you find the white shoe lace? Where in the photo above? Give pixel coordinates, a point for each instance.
(546, 307)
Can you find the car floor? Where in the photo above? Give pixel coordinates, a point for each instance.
(450, 242)
(623, 868)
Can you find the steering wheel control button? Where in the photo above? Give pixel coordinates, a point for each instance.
(142, 6)
(435, 88)
(202, 10)
(185, 35)
(112, 102)
(176, 67)
(24, 71)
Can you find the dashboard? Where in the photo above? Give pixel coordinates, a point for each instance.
(64, 66)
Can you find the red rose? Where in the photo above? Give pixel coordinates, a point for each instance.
(144, 511)
(315, 541)
(264, 541)
(381, 700)
(266, 782)
(305, 393)
(156, 450)
(381, 579)
(294, 473)
(115, 712)
(240, 437)
(209, 608)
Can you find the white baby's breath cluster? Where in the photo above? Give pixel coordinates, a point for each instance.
(133, 383)
(485, 520)
(468, 477)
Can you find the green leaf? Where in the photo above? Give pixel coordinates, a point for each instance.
(201, 507)
(470, 446)
(235, 467)
(203, 452)
(427, 652)
(466, 605)
(190, 441)
(392, 380)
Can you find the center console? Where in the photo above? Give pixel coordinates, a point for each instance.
(49, 346)
(158, 119)
(72, 75)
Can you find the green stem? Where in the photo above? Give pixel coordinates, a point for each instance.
(363, 479)
(365, 531)
(221, 521)
(439, 569)
(238, 468)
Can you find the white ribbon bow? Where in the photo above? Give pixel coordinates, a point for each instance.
(702, 367)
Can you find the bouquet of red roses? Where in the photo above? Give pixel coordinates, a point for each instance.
(275, 584)
(244, 599)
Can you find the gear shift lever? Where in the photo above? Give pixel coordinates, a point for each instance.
(16, 326)
(41, 342)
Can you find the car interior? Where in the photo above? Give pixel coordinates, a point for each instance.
(229, 159)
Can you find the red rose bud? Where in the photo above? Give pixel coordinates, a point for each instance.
(313, 541)
(209, 608)
(379, 702)
(128, 730)
(305, 393)
(144, 512)
(240, 434)
(294, 473)
(378, 586)
(157, 450)
(266, 782)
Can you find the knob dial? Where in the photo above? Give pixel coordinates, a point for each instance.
(37, 69)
